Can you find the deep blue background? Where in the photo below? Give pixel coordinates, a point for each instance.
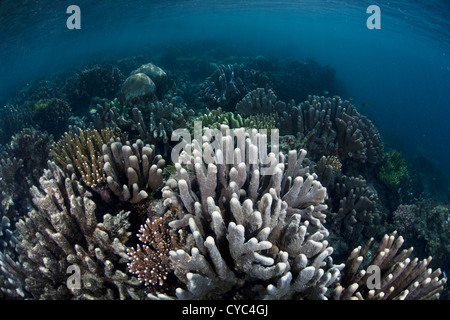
(402, 72)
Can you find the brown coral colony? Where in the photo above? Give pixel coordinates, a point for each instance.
(150, 260)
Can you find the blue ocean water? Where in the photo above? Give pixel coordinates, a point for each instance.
(401, 72)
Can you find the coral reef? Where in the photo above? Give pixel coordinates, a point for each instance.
(33, 148)
(330, 126)
(56, 109)
(401, 277)
(254, 235)
(229, 84)
(99, 214)
(426, 225)
(98, 80)
(14, 118)
(260, 101)
(353, 214)
(213, 119)
(393, 170)
(298, 79)
(138, 88)
(156, 74)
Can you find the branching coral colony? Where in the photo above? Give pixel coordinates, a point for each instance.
(252, 235)
(228, 219)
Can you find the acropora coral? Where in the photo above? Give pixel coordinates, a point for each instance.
(253, 235)
(150, 261)
(132, 169)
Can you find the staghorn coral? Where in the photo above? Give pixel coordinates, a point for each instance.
(153, 122)
(12, 285)
(13, 198)
(354, 206)
(254, 232)
(229, 84)
(401, 276)
(150, 261)
(81, 153)
(132, 169)
(21, 165)
(64, 231)
(357, 138)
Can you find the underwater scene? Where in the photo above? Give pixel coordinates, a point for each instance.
(224, 150)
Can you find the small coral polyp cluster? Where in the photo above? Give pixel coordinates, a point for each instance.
(230, 217)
